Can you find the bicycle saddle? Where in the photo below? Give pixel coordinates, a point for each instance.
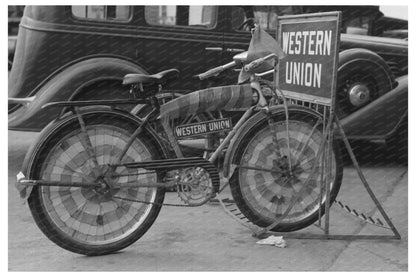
(158, 78)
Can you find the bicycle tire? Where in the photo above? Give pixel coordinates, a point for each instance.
(264, 196)
(83, 220)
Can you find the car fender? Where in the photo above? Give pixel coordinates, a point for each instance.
(55, 125)
(357, 55)
(380, 118)
(361, 67)
(65, 85)
(256, 119)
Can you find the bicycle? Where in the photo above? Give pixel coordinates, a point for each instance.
(95, 179)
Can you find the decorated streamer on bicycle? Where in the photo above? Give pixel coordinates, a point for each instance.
(228, 98)
(261, 45)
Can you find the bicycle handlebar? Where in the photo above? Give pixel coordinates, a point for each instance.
(215, 71)
(258, 62)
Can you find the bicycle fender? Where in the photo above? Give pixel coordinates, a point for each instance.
(255, 120)
(53, 127)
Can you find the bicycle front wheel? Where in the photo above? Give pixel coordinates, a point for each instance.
(264, 187)
(90, 220)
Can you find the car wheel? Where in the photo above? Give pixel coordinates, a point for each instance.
(363, 76)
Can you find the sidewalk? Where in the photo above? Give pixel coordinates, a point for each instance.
(207, 239)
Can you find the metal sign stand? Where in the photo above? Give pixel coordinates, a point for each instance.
(261, 232)
(319, 97)
(232, 210)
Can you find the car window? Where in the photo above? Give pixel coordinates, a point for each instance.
(15, 13)
(359, 25)
(266, 16)
(102, 13)
(193, 16)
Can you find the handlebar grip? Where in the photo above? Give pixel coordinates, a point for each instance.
(215, 71)
(254, 64)
(211, 72)
(259, 61)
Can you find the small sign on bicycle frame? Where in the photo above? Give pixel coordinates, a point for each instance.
(203, 128)
(308, 72)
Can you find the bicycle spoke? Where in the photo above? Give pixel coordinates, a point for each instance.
(273, 133)
(100, 223)
(64, 160)
(288, 144)
(248, 167)
(68, 168)
(92, 232)
(307, 140)
(85, 139)
(78, 211)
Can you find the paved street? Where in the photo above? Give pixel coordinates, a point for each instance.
(207, 239)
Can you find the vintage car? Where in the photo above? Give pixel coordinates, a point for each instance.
(82, 52)
(11, 47)
(15, 13)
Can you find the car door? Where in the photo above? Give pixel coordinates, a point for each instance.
(189, 38)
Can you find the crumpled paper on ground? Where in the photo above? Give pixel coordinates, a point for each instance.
(273, 240)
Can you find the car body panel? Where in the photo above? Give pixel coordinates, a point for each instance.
(67, 82)
(380, 118)
(53, 46)
(393, 51)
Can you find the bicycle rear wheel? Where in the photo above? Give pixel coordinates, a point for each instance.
(90, 220)
(264, 188)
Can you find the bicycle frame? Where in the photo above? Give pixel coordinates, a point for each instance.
(241, 96)
(156, 108)
(262, 103)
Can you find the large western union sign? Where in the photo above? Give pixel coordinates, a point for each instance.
(311, 44)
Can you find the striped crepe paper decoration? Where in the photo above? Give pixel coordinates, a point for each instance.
(227, 98)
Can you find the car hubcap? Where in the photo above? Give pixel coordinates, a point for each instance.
(359, 94)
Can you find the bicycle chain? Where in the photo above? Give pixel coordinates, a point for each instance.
(142, 201)
(169, 204)
(154, 203)
(162, 204)
(159, 204)
(234, 212)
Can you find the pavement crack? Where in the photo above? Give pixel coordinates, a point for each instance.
(390, 261)
(389, 192)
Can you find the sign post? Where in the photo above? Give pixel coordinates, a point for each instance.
(308, 73)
